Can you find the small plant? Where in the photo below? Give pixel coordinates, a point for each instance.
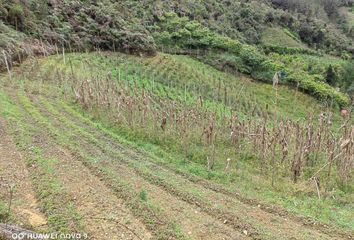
(5, 208)
(3, 211)
(143, 195)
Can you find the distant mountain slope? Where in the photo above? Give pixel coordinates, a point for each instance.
(230, 31)
(101, 24)
(247, 20)
(122, 25)
(278, 36)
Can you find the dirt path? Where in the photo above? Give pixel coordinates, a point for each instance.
(13, 172)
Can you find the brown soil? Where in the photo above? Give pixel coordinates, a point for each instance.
(104, 215)
(13, 171)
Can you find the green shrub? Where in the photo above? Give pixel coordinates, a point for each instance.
(247, 20)
(16, 15)
(80, 24)
(320, 90)
(143, 195)
(3, 12)
(3, 211)
(174, 31)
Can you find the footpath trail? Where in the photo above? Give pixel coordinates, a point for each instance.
(120, 192)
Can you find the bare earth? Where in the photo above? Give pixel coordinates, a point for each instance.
(13, 173)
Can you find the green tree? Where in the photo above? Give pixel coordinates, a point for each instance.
(347, 78)
(16, 16)
(331, 77)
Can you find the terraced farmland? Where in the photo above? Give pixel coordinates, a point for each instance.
(85, 169)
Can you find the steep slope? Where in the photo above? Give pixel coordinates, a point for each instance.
(157, 188)
(37, 27)
(86, 156)
(219, 29)
(238, 127)
(247, 20)
(276, 36)
(180, 35)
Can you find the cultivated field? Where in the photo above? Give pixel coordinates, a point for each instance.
(165, 147)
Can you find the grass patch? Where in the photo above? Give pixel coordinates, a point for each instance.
(281, 37)
(143, 195)
(54, 201)
(4, 211)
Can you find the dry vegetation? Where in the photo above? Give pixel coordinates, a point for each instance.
(280, 145)
(214, 131)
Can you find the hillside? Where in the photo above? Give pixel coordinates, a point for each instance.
(168, 25)
(177, 119)
(282, 37)
(144, 163)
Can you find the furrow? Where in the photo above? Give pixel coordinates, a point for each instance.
(197, 219)
(157, 165)
(52, 197)
(224, 216)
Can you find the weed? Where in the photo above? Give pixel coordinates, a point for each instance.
(143, 195)
(4, 214)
